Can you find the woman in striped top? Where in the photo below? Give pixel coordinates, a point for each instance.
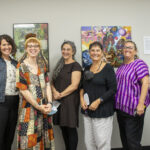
(132, 97)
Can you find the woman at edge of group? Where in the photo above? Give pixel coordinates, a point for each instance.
(66, 79)
(9, 96)
(99, 86)
(132, 97)
(34, 124)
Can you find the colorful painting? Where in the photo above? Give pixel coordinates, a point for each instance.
(40, 29)
(111, 37)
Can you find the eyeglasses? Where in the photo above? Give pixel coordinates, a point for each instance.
(33, 46)
(128, 47)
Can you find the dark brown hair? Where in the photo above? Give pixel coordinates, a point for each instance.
(10, 41)
(96, 43)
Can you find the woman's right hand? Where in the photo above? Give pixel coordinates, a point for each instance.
(43, 109)
(84, 105)
(56, 95)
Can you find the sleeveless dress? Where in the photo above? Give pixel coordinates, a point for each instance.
(34, 131)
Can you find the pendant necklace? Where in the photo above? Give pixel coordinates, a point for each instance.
(99, 66)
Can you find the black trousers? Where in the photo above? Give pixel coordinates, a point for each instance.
(131, 129)
(8, 121)
(70, 137)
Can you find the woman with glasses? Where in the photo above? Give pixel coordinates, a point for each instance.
(132, 97)
(66, 79)
(34, 124)
(97, 100)
(9, 96)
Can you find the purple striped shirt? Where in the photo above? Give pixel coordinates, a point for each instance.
(129, 86)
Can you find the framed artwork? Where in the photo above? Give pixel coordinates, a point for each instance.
(111, 37)
(41, 31)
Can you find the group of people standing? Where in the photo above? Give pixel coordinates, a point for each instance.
(98, 89)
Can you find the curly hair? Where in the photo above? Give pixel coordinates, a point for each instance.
(10, 41)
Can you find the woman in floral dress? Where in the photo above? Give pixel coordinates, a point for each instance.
(34, 125)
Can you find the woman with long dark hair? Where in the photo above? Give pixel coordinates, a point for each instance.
(66, 79)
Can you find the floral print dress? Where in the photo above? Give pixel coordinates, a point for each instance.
(34, 131)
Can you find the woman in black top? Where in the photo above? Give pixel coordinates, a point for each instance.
(97, 100)
(66, 79)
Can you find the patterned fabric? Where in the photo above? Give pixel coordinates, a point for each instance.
(34, 128)
(11, 79)
(129, 86)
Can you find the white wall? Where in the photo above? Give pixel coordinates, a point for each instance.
(65, 17)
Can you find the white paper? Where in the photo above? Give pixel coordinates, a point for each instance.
(56, 103)
(54, 108)
(146, 44)
(86, 98)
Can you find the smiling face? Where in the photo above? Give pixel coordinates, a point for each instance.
(5, 48)
(67, 52)
(96, 53)
(33, 49)
(129, 51)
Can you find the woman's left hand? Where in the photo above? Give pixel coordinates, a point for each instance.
(48, 108)
(140, 109)
(94, 105)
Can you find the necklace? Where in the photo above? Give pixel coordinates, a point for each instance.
(96, 69)
(99, 66)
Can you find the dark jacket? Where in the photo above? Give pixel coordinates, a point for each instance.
(3, 75)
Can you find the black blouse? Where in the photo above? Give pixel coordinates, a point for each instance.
(102, 85)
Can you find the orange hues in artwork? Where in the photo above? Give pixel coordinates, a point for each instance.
(32, 140)
(44, 116)
(24, 103)
(45, 68)
(26, 75)
(27, 115)
(18, 65)
(21, 86)
(38, 100)
(39, 72)
(41, 144)
(51, 134)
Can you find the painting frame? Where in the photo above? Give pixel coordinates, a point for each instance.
(40, 29)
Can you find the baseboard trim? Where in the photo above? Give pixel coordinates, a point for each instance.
(144, 148)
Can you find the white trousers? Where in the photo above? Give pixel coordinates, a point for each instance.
(98, 132)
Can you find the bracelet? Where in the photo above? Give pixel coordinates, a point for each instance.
(50, 103)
